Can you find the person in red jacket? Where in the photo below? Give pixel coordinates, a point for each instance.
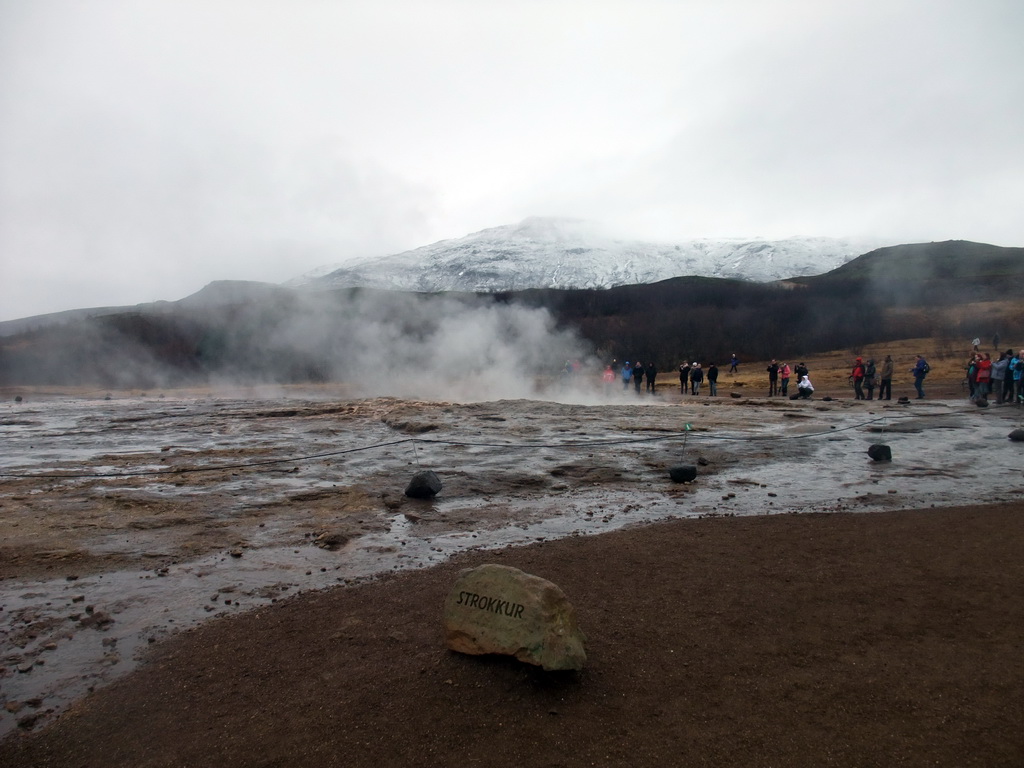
(858, 378)
(984, 375)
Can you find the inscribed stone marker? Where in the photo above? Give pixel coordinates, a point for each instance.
(498, 609)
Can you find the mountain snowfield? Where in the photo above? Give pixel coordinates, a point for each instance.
(568, 253)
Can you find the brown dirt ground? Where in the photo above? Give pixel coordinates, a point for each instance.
(884, 639)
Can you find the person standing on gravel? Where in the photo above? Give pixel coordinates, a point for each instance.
(920, 370)
(734, 364)
(857, 376)
(684, 377)
(869, 377)
(713, 379)
(638, 376)
(627, 374)
(773, 379)
(885, 379)
(784, 373)
(1017, 369)
(696, 377)
(999, 377)
(652, 372)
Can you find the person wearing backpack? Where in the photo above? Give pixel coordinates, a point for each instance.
(869, 378)
(920, 370)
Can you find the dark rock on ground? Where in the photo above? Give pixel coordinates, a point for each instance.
(685, 473)
(424, 485)
(879, 452)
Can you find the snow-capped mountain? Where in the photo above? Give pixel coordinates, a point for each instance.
(567, 253)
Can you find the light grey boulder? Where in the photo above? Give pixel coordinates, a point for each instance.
(502, 610)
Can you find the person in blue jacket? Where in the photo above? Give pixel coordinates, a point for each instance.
(627, 374)
(920, 370)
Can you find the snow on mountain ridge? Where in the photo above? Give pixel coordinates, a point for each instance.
(568, 253)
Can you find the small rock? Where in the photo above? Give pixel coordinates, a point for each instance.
(684, 473)
(1017, 436)
(99, 620)
(880, 452)
(332, 541)
(424, 485)
(981, 402)
(28, 721)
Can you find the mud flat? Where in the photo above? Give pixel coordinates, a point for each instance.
(129, 519)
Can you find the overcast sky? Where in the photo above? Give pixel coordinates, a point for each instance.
(149, 147)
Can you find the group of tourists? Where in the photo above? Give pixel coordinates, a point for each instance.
(692, 375)
(1002, 379)
(780, 375)
(865, 376)
(632, 373)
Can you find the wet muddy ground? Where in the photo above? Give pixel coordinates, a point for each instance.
(124, 520)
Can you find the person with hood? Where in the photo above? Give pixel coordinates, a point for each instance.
(869, 378)
(638, 376)
(627, 374)
(734, 363)
(651, 371)
(885, 379)
(857, 376)
(684, 377)
(804, 388)
(696, 377)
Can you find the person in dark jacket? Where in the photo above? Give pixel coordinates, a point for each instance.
(638, 376)
(696, 377)
(684, 377)
(773, 379)
(651, 372)
(869, 378)
(713, 379)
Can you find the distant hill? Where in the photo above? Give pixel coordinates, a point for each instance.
(954, 271)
